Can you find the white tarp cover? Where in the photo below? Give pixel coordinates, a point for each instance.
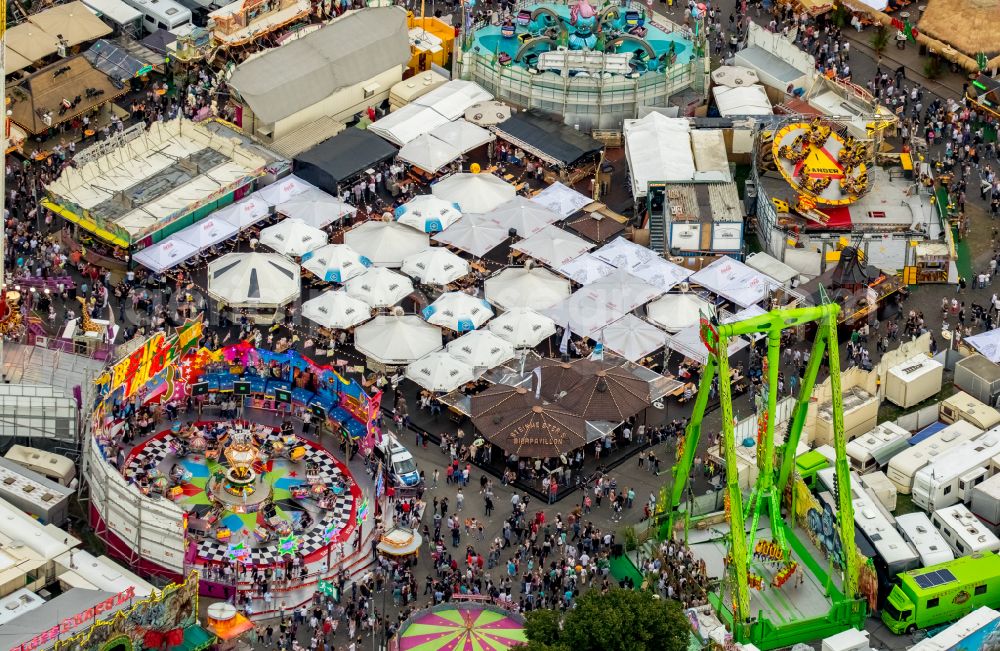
(632, 338)
(208, 232)
(474, 234)
(735, 281)
(452, 99)
(463, 135)
(675, 312)
(600, 303)
(661, 273)
(428, 153)
(987, 343)
(624, 254)
(534, 287)
(166, 254)
(553, 246)
(688, 343)
(253, 279)
(316, 208)
(658, 148)
(478, 193)
(283, 189)
(385, 244)
(586, 269)
(524, 215)
(402, 126)
(743, 100)
(244, 213)
(562, 200)
(397, 340)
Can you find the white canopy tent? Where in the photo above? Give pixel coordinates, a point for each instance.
(458, 311)
(481, 349)
(335, 263)
(316, 208)
(585, 269)
(440, 372)
(674, 312)
(407, 123)
(526, 286)
(463, 136)
(735, 281)
(522, 327)
(772, 267)
(602, 302)
(624, 254)
(553, 246)
(244, 213)
(166, 254)
(283, 190)
(562, 200)
(428, 213)
(479, 193)
(688, 343)
(658, 148)
(396, 340)
(661, 273)
(336, 309)
(435, 266)
(428, 153)
(385, 244)
(632, 338)
(453, 98)
(207, 232)
(987, 343)
(380, 287)
(524, 215)
(742, 101)
(292, 237)
(253, 280)
(474, 234)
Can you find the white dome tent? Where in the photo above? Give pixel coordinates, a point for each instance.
(439, 372)
(254, 281)
(336, 309)
(386, 244)
(478, 193)
(395, 340)
(435, 266)
(292, 237)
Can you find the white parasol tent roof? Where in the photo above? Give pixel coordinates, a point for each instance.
(522, 327)
(675, 312)
(458, 311)
(166, 254)
(396, 340)
(292, 237)
(735, 281)
(661, 273)
(283, 189)
(624, 254)
(440, 372)
(336, 309)
(553, 246)
(524, 215)
(316, 208)
(562, 199)
(435, 266)
(380, 287)
(428, 213)
(585, 269)
(633, 338)
(474, 192)
(526, 286)
(335, 263)
(600, 303)
(386, 243)
(244, 213)
(253, 280)
(987, 343)
(688, 343)
(208, 232)
(473, 234)
(481, 349)
(463, 136)
(428, 153)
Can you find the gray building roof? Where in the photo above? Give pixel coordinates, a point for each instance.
(70, 603)
(292, 77)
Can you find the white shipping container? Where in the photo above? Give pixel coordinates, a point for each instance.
(913, 381)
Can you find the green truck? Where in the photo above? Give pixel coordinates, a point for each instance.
(943, 593)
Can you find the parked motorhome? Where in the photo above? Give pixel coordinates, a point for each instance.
(986, 502)
(950, 478)
(931, 546)
(873, 450)
(905, 465)
(962, 406)
(963, 531)
(56, 467)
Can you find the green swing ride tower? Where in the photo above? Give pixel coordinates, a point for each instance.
(776, 465)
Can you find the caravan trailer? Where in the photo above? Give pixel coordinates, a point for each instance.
(962, 406)
(931, 546)
(913, 381)
(870, 451)
(986, 502)
(951, 477)
(963, 531)
(56, 467)
(905, 465)
(974, 631)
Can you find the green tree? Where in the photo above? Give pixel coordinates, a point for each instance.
(880, 40)
(621, 620)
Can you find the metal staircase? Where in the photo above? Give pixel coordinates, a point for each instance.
(657, 233)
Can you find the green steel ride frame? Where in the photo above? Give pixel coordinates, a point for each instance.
(766, 494)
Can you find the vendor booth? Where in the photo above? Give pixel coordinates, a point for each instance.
(341, 158)
(552, 142)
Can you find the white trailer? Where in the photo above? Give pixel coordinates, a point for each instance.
(970, 632)
(962, 406)
(905, 465)
(913, 381)
(963, 532)
(870, 451)
(986, 502)
(950, 478)
(931, 546)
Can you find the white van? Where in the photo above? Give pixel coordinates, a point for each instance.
(905, 465)
(162, 14)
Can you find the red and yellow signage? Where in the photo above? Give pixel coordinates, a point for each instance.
(820, 164)
(70, 623)
(149, 360)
